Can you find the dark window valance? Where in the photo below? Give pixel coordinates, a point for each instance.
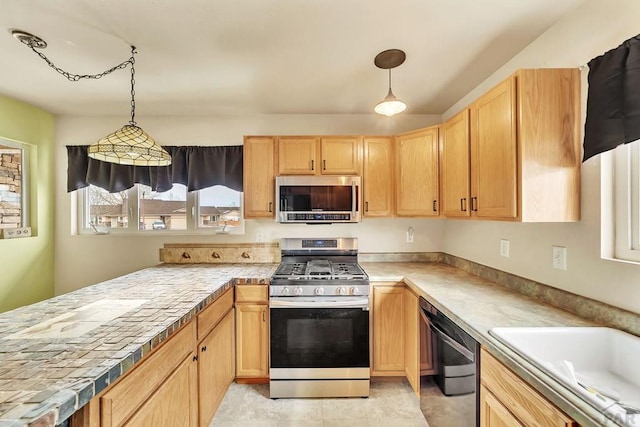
(195, 167)
(613, 103)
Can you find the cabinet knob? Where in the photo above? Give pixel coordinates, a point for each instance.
(204, 348)
(185, 255)
(246, 255)
(195, 358)
(215, 255)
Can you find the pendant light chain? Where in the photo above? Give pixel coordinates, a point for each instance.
(75, 77)
(132, 60)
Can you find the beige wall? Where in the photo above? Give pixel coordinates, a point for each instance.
(595, 27)
(88, 259)
(26, 265)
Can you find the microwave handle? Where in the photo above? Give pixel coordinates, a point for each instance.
(354, 199)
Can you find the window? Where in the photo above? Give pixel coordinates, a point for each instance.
(140, 210)
(14, 209)
(623, 166)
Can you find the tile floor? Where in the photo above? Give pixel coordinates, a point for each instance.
(391, 403)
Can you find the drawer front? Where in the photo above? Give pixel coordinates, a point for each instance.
(125, 397)
(529, 406)
(252, 293)
(214, 312)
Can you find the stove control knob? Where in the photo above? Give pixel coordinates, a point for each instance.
(297, 291)
(285, 291)
(319, 291)
(355, 291)
(341, 290)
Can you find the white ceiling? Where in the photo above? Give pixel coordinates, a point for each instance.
(217, 57)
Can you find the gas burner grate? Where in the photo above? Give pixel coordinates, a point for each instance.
(293, 269)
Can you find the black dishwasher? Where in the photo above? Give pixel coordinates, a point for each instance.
(456, 355)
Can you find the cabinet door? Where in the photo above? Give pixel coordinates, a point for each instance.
(494, 153)
(377, 180)
(124, 399)
(412, 339)
(259, 177)
(454, 166)
(252, 340)
(172, 404)
(417, 173)
(493, 413)
(341, 155)
(297, 155)
(216, 367)
(388, 330)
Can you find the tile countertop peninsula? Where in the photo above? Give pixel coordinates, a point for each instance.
(50, 371)
(43, 381)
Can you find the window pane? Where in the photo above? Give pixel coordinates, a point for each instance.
(11, 210)
(106, 210)
(163, 211)
(219, 208)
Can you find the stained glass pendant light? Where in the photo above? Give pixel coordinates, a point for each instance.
(129, 145)
(387, 60)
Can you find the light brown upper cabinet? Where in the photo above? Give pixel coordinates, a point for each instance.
(377, 178)
(259, 176)
(319, 155)
(298, 155)
(341, 155)
(417, 173)
(525, 148)
(454, 166)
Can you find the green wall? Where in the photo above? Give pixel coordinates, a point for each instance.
(27, 265)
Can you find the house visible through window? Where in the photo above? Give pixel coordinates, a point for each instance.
(140, 209)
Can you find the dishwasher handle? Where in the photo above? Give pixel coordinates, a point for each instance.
(453, 343)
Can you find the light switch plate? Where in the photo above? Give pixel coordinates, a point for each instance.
(504, 248)
(13, 233)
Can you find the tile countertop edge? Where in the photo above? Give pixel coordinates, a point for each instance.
(567, 401)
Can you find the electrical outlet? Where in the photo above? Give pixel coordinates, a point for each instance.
(560, 257)
(410, 235)
(259, 237)
(504, 248)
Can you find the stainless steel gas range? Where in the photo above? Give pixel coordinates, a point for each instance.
(319, 308)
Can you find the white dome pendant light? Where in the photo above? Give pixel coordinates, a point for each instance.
(387, 60)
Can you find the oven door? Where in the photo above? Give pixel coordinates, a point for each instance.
(310, 336)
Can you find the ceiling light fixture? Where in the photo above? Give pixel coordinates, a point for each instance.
(387, 60)
(129, 145)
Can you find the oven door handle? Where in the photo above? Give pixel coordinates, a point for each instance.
(360, 303)
(453, 343)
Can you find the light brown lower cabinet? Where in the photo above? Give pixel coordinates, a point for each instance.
(400, 344)
(388, 335)
(216, 367)
(180, 384)
(507, 400)
(252, 333)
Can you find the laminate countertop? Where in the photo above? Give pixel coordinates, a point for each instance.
(57, 354)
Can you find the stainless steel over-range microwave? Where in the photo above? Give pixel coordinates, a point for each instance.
(318, 199)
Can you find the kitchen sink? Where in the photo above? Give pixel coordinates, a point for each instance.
(599, 364)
